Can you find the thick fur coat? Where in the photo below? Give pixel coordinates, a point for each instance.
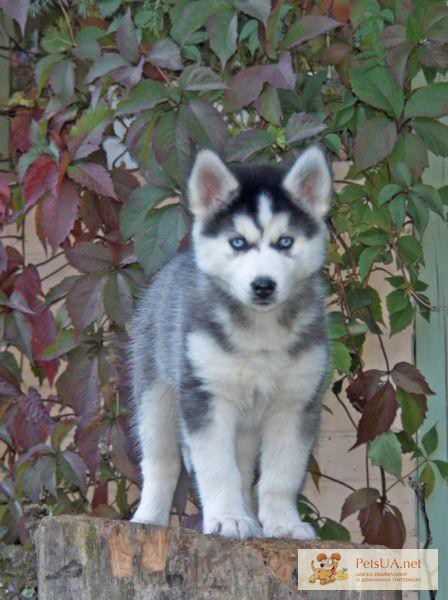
(229, 350)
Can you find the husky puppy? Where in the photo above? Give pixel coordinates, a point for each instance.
(229, 348)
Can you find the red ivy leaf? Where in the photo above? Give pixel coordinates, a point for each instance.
(3, 258)
(378, 415)
(40, 177)
(88, 257)
(79, 384)
(17, 10)
(84, 300)
(363, 387)
(41, 321)
(13, 261)
(246, 86)
(74, 469)
(126, 39)
(124, 183)
(81, 146)
(28, 284)
(192, 522)
(87, 442)
(120, 453)
(409, 378)
(94, 177)
(358, 500)
(100, 494)
(382, 525)
(307, 28)
(21, 127)
(7, 389)
(59, 213)
(181, 492)
(32, 422)
(44, 334)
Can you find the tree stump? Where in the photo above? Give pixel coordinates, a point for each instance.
(84, 558)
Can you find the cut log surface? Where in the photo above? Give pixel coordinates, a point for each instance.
(83, 558)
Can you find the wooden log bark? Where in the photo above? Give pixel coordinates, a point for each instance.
(83, 558)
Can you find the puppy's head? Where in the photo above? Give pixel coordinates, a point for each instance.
(259, 231)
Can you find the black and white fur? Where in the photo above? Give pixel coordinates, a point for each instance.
(224, 374)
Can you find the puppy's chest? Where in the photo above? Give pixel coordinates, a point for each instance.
(251, 368)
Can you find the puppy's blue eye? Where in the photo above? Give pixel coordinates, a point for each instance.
(285, 242)
(238, 243)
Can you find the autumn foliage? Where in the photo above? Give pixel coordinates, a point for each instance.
(111, 99)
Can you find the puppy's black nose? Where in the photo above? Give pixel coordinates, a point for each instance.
(263, 287)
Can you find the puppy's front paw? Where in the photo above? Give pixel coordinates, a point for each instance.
(148, 517)
(296, 530)
(239, 527)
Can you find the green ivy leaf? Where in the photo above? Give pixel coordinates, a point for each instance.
(401, 319)
(373, 237)
(193, 16)
(411, 151)
(340, 357)
(44, 67)
(66, 340)
(428, 479)
(410, 249)
(428, 101)
(430, 440)
(270, 107)
(141, 200)
(379, 88)
(442, 466)
(259, 9)
(419, 211)
(103, 66)
(196, 78)
(388, 192)
(375, 140)
(402, 174)
(159, 236)
(433, 133)
(397, 209)
(332, 530)
(385, 451)
(248, 143)
(146, 94)
(396, 301)
(222, 33)
(336, 326)
(413, 410)
(430, 196)
(367, 302)
(367, 258)
(302, 126)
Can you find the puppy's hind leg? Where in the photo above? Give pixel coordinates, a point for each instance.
(160, 462)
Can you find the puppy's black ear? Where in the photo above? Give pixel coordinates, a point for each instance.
(210, 185)
(308, 182)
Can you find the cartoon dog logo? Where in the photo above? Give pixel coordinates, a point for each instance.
(326, 571)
